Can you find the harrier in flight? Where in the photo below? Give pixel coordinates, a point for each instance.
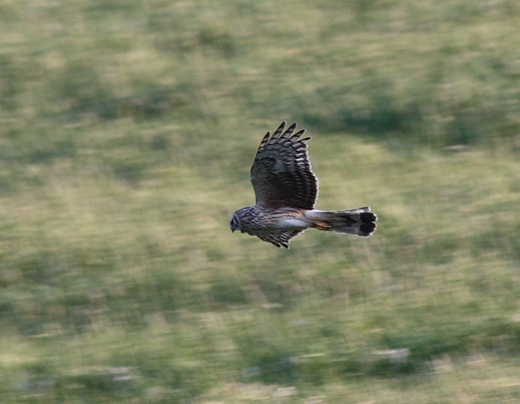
(286, 191)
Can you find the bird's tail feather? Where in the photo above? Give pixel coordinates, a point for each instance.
(357, 222)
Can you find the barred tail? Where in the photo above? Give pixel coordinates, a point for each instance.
(357, 222)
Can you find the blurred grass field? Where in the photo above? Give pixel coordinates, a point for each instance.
(127, 130)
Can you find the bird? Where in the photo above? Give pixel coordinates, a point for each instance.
(286, 191)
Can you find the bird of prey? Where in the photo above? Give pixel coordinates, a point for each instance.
(286, 191)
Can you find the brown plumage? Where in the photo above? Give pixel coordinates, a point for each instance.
(286, 191)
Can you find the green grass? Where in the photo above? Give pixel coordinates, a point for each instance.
(127, 132)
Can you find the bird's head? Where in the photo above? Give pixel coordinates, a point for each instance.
(235, 222)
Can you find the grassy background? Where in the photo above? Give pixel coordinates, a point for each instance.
(127, 132)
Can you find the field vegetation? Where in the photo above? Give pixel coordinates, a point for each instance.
(127, 130)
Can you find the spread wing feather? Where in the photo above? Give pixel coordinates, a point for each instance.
(282, 173)
(281, 239)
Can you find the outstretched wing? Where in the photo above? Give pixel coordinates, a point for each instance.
(282, 174)
(280, 239)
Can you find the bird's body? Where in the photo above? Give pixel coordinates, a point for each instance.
(286, 191)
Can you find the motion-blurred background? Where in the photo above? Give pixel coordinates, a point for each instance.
(127, 130)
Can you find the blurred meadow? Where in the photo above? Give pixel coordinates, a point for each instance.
(127, 130)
